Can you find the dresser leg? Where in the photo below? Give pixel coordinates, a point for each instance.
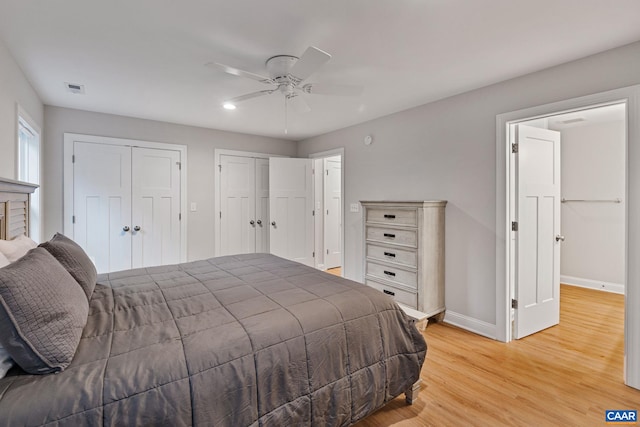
(412, 394)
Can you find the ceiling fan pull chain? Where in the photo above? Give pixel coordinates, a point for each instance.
(286, 130)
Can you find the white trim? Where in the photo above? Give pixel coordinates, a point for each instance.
(217, 203)
(21, 113)
(70, 138)
(332, 153)
(616, 288)
(470, 324)
(630, 96)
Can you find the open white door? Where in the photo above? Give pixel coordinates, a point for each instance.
(102, 204)
(291, 209)
(332, 212)
(155, 222)
(537, 287)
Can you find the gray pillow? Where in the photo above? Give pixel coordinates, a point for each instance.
(75, 260)
(42, 313)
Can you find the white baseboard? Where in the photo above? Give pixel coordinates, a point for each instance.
(616, 288)
(470, 324)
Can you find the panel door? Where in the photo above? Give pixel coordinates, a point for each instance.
(237, 205)
(155, 222)
(291, 209)
(262, 206)
(538, 216)
(102, 204)
(332, 212)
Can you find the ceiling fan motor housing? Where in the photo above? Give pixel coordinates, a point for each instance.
(279, 67)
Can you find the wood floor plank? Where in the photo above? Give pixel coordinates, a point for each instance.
(567, 375)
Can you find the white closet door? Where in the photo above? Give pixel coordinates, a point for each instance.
(102, 204)
(155, 223)
(238, 205)
(332, 212)
(538, 255)
(262, 205)
(291, 209)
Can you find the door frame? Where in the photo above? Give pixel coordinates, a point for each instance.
(67, 212)
(332, 153)
(630, 96)
(217, 203)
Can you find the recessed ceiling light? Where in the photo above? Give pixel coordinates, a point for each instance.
(229, 106)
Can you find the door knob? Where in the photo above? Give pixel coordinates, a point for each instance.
(252, 222)
(273, 223)
(259, 222)
(559, 238)
(125, 228)
(136, 228)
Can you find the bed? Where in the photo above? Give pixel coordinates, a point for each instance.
(245, 340)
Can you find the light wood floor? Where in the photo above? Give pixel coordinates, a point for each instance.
(335, 271)
(567, 375)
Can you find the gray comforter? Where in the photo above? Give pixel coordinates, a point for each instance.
(231, 341)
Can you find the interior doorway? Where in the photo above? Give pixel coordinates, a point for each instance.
(630, 96)
(573, 233)
(329, 208)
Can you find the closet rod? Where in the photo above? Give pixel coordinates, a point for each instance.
(617, 200)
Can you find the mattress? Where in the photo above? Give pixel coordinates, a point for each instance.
(246, 340)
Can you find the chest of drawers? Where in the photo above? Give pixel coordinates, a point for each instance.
(404, 252)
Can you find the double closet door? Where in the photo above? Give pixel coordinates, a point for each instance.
(244, 209)
(126, 205)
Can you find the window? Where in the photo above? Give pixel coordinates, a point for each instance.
(29, 167)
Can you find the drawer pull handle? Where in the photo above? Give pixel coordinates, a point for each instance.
(389, 292)
(392, 255)
(390, 273)
(389, 216)
(393, 236)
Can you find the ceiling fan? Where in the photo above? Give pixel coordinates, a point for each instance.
(286, 76)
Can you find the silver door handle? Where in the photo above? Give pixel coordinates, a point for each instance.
(273, 223)
(252, 222)
(136, 228)
(259, 222)
(559, 237)
(125, 228)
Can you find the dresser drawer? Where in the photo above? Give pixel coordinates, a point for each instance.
(399, 295)
(393, 216)
(390, 235)
(408, 257)
(393, 274)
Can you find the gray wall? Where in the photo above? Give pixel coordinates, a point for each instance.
(15, 90)
(200, 144)
(447, 150)
(593, 167)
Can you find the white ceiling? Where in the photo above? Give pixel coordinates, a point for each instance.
(145, 58)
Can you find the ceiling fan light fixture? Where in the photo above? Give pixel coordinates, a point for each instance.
(229, 106)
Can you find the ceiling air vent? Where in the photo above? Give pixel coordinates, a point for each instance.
(74, 87)
(576, 120)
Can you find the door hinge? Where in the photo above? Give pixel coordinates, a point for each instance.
(220, 168)
(313, 213)
(514, 303)
(179, 165)
(313, 255)
(180, 217)
(327, 251)
(73, 158)
(327, 172)
(220, 214)
(514, 147)
(514, 226)
(73, 219)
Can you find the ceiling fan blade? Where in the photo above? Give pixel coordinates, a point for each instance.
(241, 98)
(310, 61)
(240, 73)
(298, 103)
(333, 89)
